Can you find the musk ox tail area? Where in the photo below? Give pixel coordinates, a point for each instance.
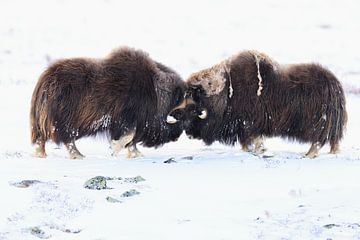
(336, 112)
(39, 122)
(322, 102)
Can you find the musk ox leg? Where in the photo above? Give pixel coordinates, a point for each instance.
(259, 147)
(40, 149)
(73, 151)
(133, 152)
(256, 144)
(334, 148)
(118, 145)
(245, 147)
(314, 150)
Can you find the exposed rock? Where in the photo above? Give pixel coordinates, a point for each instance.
(130, 193)
(331, 225)
(354, 225)
(113, 178)
(134, 179)
(112, 200)
(96, 183)
(36, 231)
(24, 183)
(188, 158)
(170, 160)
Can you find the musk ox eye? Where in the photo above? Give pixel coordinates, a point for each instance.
(203, 114)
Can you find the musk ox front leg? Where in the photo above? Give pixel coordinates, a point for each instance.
(125, 142)
(133, 152)
(40, 149)
(256, 145)
(259, 147)
(314, 150)
(335, 148)
(73, 151)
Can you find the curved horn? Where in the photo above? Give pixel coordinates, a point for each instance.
(203, 114)
(171, 119)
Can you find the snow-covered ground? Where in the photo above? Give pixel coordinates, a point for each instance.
(214, 192)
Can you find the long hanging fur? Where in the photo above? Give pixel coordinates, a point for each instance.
(126, 91)
(303, 102)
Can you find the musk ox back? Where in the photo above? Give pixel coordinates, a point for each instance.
(250, 96)
(126, 95)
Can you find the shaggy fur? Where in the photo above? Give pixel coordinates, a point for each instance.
(125, 92)
(250, 95)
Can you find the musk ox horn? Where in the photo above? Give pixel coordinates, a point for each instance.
(203, 114)
(171, 119)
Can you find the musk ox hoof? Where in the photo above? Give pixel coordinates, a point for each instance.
(39, 149)
(39, 154)
(310, 155)
(133, 154)
(259, 151)
(313, 151)
(76, 156)
(335, 149)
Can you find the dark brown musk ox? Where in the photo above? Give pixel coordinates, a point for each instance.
(249, 96)
(126, 95)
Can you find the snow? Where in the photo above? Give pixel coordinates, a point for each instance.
(210, 192)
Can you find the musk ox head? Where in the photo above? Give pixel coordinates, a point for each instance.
(206, 102)
(166, 123)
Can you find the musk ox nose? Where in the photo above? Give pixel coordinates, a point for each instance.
(187, 124)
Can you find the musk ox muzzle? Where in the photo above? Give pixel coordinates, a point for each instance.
(186, 111)
(250, 96)
(127, 95)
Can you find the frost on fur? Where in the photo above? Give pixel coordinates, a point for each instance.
(212, 80)
(231, 90)
(257, 61)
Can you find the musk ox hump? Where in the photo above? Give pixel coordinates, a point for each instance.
(212, 80)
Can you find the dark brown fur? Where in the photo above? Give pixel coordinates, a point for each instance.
(304, 102)
(126, 91)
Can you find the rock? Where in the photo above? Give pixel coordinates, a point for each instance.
(188, 158)
(130, 193)
(331, 225)
(134, 179)
(36, 231)
(96, 183)
(24, 183)
(113, 178)
(354, 225)
(170, 160)
(112, 200)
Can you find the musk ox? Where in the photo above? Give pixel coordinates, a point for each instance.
(250, 96)
(126, 95)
